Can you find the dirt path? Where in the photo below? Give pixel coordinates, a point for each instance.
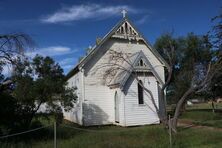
(189, 124)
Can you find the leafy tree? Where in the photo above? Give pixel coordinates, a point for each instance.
(40, 82)
(8, 113)
(194, 67)
(216, 39)
(194, 54)
(216, 32)
(166, 45)
(11, 46)
(198, 67)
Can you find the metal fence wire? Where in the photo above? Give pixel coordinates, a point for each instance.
(66, 126)
(24, 132)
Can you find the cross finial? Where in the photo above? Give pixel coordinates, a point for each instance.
(124, 13)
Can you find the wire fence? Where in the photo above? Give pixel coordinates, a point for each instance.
(24, 132)
(67, 126)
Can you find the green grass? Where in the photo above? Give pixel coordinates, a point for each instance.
(201, 114)
(204, 106)
(203, 117)
(199, 106)
(154, 136)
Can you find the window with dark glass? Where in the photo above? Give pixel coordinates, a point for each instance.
(141, 62)
(140, 92)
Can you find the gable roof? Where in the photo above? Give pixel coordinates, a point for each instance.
(105, 38)
(129, 66)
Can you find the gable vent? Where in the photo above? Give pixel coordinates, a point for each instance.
(126, 29)
(141, 63)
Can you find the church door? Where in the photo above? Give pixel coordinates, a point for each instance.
(116, 107)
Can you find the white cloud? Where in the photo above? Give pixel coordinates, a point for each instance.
(143, 19)
(67, 67)
(51, 51)
(90, 11)
(67, 61)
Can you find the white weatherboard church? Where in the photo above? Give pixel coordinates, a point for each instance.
(123, 101)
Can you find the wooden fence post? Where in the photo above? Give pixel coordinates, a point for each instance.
(55, 143)
(170, 131)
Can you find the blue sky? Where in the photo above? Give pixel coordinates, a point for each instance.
(63, 29)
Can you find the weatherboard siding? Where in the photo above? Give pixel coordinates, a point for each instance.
(75, 115)
(133, 47)
(121, 108)
(103, 56)
(139, 114)
(98, 99)
(98, 105)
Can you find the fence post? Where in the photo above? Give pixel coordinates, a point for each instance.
(55, 143)
(170, 131)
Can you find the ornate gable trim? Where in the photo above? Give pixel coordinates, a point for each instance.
(114, 33)
(121, 77)
(126, 31)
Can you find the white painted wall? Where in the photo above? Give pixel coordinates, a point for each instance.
(134, 47)
(121, 107)
(75, 115)
(139, 114)
(97, 105)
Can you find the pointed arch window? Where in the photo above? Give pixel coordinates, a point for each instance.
(141, 63)
(140, 92)
(130, 31)
(126, 28)
(121, 30)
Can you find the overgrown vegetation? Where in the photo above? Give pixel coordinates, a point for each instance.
(195, 69)
(154, 136)
(32, 84)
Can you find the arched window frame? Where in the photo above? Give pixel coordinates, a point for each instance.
(141, 63)
(140, 92)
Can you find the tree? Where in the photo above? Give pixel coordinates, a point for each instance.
(216, 39)
(166, 45)
(205, 69)
(216, 33)
(8, 113)
(196, 69)
(11, 46)
(193, 68)
(187, 58)
(40, 82)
